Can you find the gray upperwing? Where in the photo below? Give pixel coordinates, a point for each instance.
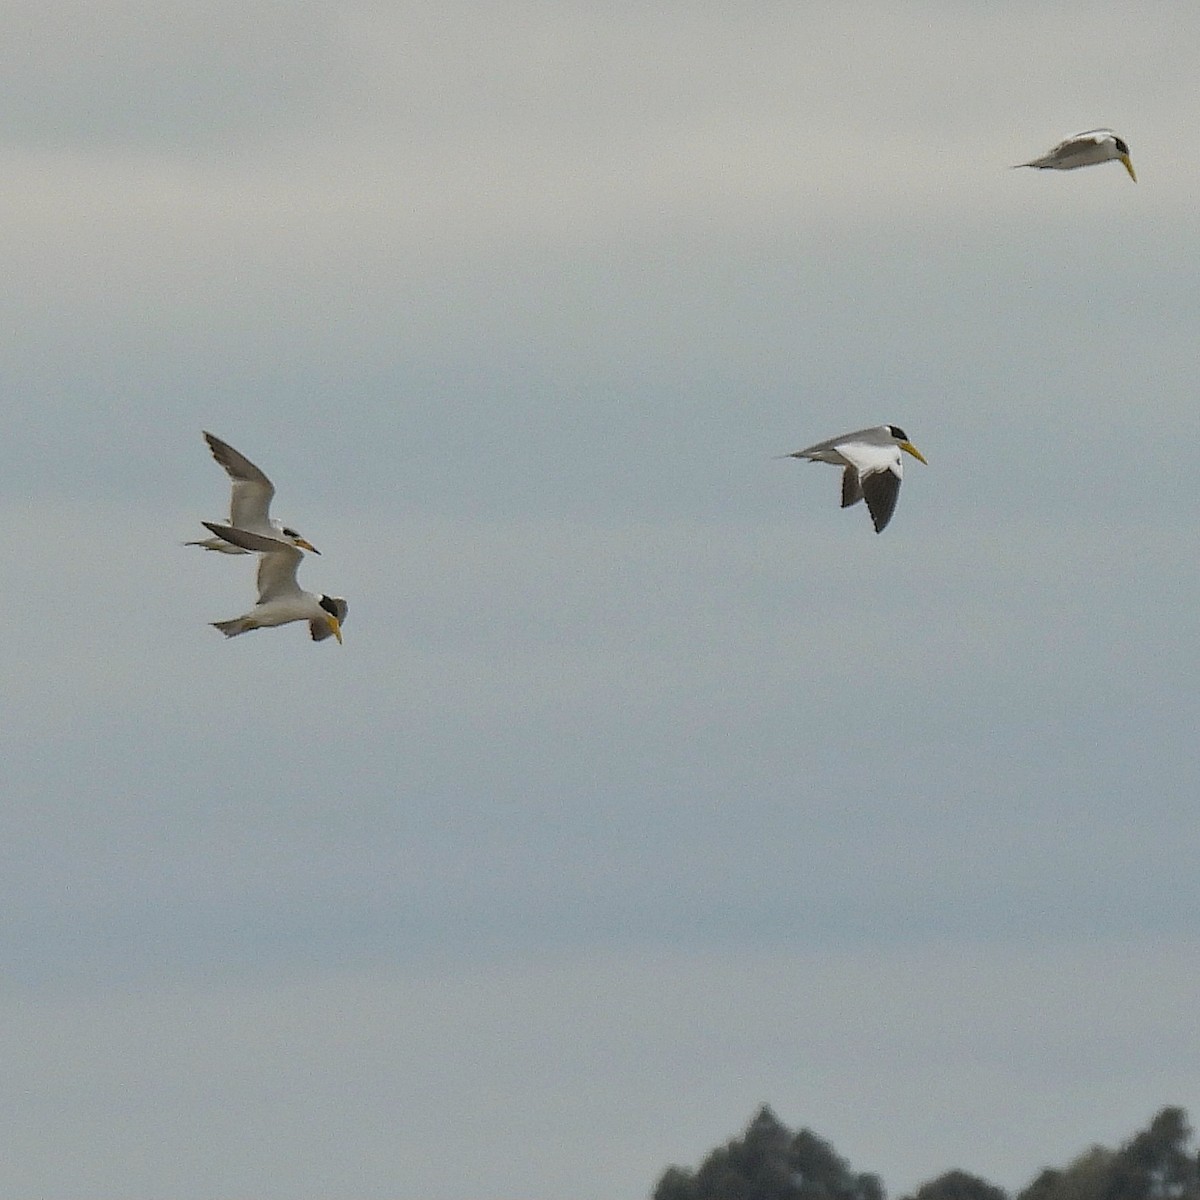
(1065, 153)
(876, 435)
(252, 491)
(238, 466)
(255, 542)
(277, 562)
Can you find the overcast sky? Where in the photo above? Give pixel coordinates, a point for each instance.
(648, 786)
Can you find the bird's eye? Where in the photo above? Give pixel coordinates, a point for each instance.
(898, 433)
(1124, 149)
(291, 533)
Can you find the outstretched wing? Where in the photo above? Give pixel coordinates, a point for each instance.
(250, 499)
(276, 566)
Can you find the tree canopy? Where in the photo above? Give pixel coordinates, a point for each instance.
(770, 1162)
(1155, 1164)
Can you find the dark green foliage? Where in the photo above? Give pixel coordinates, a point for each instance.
(958, 1185)
(676, 1184)
(1082, 1180)
(1156, 1165)
(769, 1162)
(1153, 1165)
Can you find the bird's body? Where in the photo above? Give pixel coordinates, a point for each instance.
(1085, 150)
(281, 599)
(872, 465)
(249, 503)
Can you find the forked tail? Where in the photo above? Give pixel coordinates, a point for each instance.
(234, 627)
(217, 544)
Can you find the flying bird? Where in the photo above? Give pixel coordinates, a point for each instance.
(280, 598)
(1085, 150)
(249, 502)
(873, 467)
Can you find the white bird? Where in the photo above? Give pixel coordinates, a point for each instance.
(249, 502)
(1085, 150)
(874, 467)
(280, 598)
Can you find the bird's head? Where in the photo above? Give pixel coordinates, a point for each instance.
(904, 444)
(1123, 156)
(296, 540)
(334, 611)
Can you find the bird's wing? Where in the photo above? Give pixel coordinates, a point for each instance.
(1074, 144)
(277, 563)
(248, 540)
(881, 490)
(835, 443)
(320, 629)
(1081, 145)
(252, 491)
(1063, 152)
(852, 491)
(880, 469)
(277, 572)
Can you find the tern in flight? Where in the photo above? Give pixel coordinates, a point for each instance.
(873, 467)
(249, 503)
(1085, 150)
(281, 599)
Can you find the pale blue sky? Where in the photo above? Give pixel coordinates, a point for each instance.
(648, 786)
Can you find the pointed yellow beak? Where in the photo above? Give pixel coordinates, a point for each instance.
(911, 449)
(306, 545)
(335, 625)
(1129, 167)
